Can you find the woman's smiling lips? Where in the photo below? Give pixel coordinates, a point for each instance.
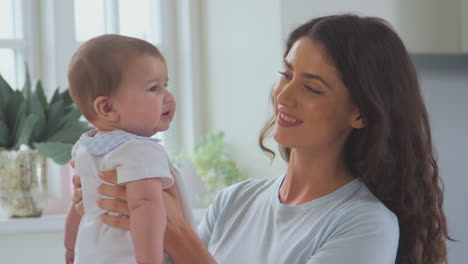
(286, 120)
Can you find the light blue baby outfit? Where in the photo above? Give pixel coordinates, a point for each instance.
(133, 158)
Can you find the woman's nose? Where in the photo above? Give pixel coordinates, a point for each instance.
(286, 95)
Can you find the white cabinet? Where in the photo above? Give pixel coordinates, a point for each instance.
(426, 26)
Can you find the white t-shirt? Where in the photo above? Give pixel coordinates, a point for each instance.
(133, 158)
(248, 224)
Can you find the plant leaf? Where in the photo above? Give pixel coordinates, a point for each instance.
(18, 127)
(56, 97)
(37, 108)
(15, 115)
(38, 132)
(3, 134)
(72, 116)
(5, 92)
(58, 151)
(41, 95)
(2, 114)
(69, 119)
(27, 83)
(67, 100)
(53, 115)
(70, 134)
(25, 131)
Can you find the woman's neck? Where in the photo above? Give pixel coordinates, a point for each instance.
(311, 176)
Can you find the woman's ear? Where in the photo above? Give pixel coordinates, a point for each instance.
(104, 109)
(358, 120)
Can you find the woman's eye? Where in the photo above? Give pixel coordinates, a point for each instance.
(285, 76)
(312, 90)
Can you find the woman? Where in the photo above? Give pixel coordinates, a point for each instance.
(362, 184)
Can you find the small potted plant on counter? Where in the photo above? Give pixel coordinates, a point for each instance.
(32, 129)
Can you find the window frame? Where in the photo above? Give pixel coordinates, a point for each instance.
(48, 43)
(26, 31)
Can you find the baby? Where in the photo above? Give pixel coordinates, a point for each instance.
(119, 84)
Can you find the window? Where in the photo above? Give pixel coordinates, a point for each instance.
(64, 25)
(137, 18)
(79, 20)
(15, 16)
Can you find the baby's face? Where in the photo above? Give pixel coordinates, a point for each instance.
(144, 104)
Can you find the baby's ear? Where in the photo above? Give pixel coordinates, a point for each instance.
(104, 109)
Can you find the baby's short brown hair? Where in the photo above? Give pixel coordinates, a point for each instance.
(96, 68)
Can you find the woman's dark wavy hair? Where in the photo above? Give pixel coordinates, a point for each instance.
(393, 155)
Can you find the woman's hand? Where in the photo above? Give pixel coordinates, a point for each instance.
(118, 205)
(77, 193)
(175, 216)
(179, 236)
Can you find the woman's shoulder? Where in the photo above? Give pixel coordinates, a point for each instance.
(362, 211)
(249, 186)
(244, 190)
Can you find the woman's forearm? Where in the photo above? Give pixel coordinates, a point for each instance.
(185, 247)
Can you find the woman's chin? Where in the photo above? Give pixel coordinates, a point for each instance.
(282, 140)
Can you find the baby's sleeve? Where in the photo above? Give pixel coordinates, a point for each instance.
(139, 159)
(75, 150)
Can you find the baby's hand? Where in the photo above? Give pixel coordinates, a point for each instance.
(69, 256)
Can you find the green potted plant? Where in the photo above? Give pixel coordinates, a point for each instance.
(32, 129)
(216, 169)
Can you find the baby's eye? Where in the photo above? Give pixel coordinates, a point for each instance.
(153, 89)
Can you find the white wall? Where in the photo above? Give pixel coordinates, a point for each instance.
(425, 26)
(39, 248)
(241, 57)
(444, 81)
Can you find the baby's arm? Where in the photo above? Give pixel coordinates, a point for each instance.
(71, 230)
(147, 219)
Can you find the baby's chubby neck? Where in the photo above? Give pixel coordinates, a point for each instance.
(103, 127)
(102, 132)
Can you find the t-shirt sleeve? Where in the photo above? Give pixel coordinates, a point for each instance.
(214, 212)
(75, 150)
(367, 235)
(139, 159)
(206, 225)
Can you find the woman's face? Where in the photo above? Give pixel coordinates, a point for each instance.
(312, 105)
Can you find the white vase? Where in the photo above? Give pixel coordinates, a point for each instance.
(23, 183)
